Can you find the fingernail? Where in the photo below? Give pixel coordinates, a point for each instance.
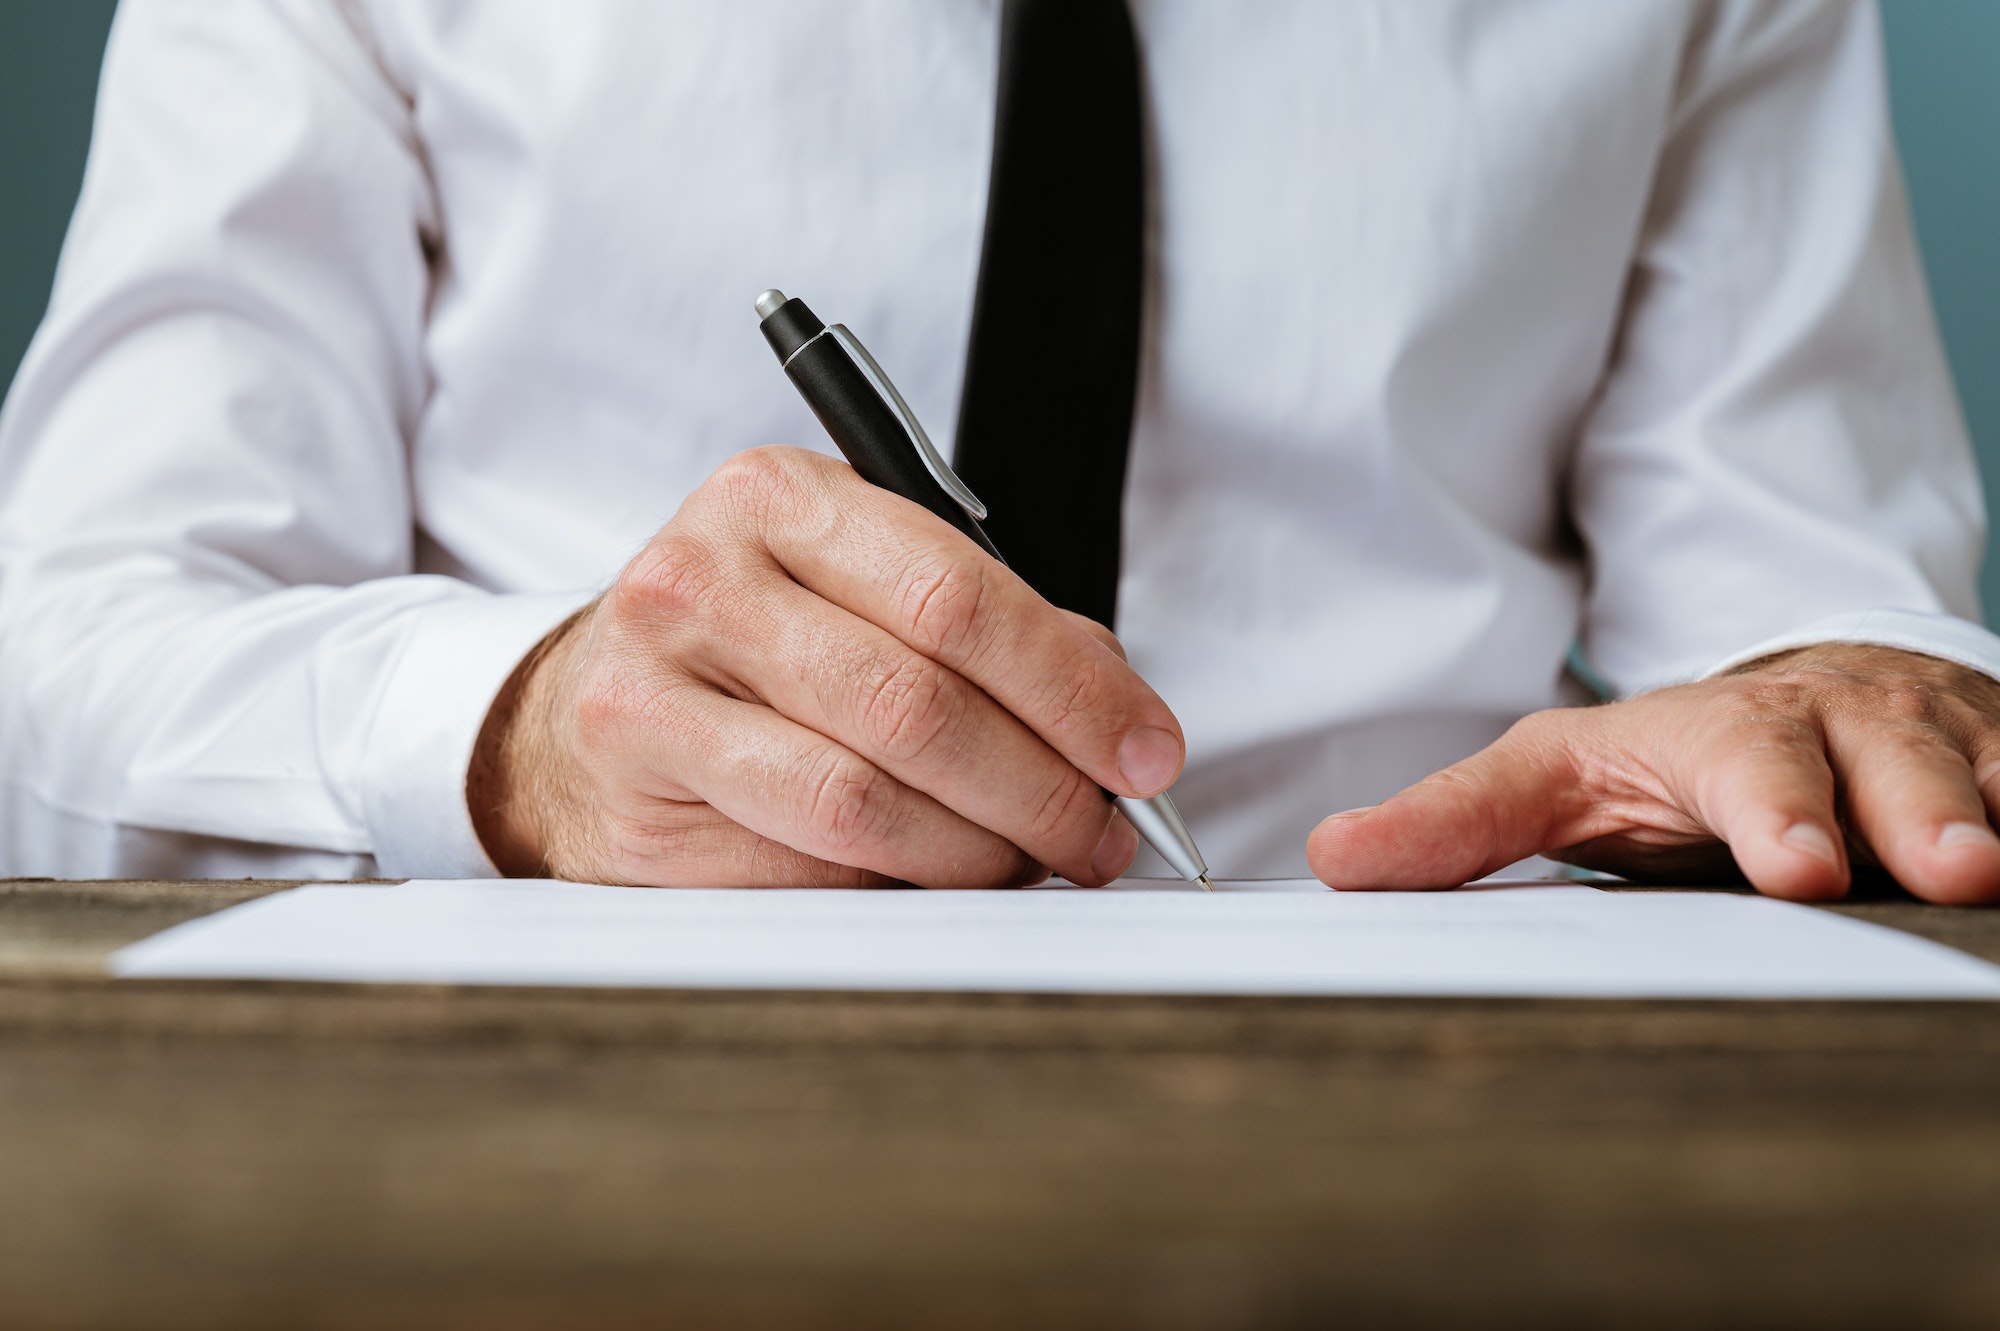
(1965, 834)
(1361, 812)
(1813, 841)
(1148, 759)
(1114, 853)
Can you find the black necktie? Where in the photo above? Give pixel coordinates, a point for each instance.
(1046, 416)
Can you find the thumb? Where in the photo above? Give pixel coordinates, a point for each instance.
(1473, 818)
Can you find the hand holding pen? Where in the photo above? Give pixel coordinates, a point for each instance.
(878, 433)
(806, 680)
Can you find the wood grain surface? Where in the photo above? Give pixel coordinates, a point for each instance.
(219, 1155)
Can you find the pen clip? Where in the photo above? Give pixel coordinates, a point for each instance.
(934, 461)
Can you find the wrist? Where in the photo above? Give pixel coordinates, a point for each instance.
(511, 782)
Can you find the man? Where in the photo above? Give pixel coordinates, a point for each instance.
(390, 335)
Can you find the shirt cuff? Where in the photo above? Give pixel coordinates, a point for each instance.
(414, 766)
(1946, 637)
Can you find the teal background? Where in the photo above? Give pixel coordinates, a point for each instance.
(1944, 64)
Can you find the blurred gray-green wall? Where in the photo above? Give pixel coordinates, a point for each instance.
(49, 52)
(1944, 81)
(1944, 65)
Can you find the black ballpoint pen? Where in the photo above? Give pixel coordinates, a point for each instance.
(880, 437)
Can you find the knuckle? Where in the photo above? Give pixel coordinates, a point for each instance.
(1978, 698)
(1982, 748)
(942, 604)
(1781, 694)
(1775, 713)
(751, 488)
(1910, 706)
(1914, 745)
(752, 477)
(674, 575)
(1774, 705)
(1968, 724)
(761, 494)
(908, 706)
(757, 482)
(1771, 734)
(1764, 762)
(850, 805)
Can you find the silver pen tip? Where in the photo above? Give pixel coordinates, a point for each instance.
(1206, 886)
(768, 303)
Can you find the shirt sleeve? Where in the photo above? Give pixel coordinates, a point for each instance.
(1777, 456)
(215, 657)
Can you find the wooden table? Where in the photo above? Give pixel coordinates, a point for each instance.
(217, 1155)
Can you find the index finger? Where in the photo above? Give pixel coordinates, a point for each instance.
(895, 564)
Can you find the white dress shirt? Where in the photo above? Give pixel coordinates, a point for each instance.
(388, 330)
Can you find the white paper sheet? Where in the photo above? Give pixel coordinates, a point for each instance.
(1248, 938)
